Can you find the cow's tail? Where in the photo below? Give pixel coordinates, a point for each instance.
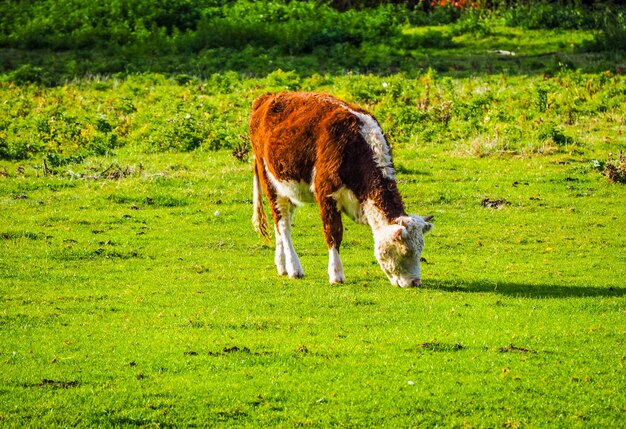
(259, 219)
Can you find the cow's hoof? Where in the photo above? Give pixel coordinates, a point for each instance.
(296, 275)
(337, 280)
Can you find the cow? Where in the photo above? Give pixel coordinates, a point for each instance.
(312, 147)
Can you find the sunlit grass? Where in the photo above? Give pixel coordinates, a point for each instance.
(118, 311)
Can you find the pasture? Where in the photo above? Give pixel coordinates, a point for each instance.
(148, 300)
(135, 293)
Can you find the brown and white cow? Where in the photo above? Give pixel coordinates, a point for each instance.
(312, 147)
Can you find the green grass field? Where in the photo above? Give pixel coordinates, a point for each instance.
(135, 293)
(148, 300)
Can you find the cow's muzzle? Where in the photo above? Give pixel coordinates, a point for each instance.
(407, 282)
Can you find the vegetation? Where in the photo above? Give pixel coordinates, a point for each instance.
(469, 116)
(50, 42)
(135, 293)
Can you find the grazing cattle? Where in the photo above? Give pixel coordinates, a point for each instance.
(311, 147)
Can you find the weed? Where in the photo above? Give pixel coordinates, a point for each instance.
(27, 73)
(541, 99)
(241, 151)
(59, 44)
(612, 35)
(16, 235)
(615, 170)
(546, 15)
(471, 22)
(55, 160)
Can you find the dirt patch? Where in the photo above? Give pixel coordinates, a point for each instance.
(57, 384)
(235, 349)
(494, 204)
(512, 348)
(441, 347)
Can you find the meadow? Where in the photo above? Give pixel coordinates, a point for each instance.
(135, 293)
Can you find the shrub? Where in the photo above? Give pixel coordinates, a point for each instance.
(551, 131)
(472, 22)
(612, 25)
(181, 132)
(542, 14)
(28, 73)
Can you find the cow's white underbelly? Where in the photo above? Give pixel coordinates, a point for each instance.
(299, 192)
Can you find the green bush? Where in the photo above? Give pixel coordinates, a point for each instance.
(543, 14)
(292, 28)
(612, 36)
(553, 132)
(49, 41)
(182, 132)
(189, 25)
(28, 73)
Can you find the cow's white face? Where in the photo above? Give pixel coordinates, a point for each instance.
(398, 248)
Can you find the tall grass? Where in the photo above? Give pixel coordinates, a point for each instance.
(152, 113)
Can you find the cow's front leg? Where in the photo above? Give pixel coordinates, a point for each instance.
(333, 233)
(335, 267)
(285, 249)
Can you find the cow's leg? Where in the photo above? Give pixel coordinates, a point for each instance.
(279, 257)
(333, 233)
(286, 209)
(281, 215)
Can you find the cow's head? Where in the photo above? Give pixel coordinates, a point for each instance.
(398, 247)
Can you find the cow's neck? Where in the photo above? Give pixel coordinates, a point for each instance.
(382, 208)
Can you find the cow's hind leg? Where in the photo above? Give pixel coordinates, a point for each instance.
(286, 256)
(279, 257)
(333, 233)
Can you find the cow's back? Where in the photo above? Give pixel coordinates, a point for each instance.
(291, 133)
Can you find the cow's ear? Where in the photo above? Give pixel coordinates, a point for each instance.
(404, 221)
(427, 226)
(399, 234)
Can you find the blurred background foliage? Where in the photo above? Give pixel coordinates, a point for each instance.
(49, 41)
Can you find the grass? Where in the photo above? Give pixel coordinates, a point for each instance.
(135, 293)
(148, 300)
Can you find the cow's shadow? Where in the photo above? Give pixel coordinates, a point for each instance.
(526, 290)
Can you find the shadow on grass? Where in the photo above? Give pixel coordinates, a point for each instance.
(527, 290)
